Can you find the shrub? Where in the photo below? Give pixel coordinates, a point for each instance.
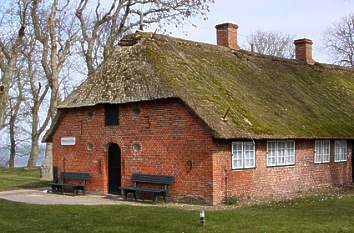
(232, 200)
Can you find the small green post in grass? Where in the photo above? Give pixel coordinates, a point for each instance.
(202, 218)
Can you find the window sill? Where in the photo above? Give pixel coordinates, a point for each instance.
(275, 166)
(319, 163)
(341, 161)
(243, 169)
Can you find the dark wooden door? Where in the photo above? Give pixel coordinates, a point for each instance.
(114, 169)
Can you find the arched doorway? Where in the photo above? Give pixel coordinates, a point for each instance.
(114, 169)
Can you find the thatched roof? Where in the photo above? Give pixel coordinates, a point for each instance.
(268, 97)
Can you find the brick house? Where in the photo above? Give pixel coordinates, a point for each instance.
(221, 120)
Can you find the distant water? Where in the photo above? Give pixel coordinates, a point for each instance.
(21, 159)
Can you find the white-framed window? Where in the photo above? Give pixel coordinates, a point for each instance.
(243, 155)
(280, 153)
(340, 151)
(322, 151)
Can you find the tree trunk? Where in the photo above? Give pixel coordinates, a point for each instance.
(54, 94)
(4, 93)
(2, 113)
(12, 144)
(14, 110)
(3, 100)
(32, 160)
(47, 165)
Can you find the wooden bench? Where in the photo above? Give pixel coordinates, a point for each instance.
(61, 186)
(163, 181)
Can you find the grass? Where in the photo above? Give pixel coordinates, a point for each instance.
(19, 178)
(314, 214)
(308, 215)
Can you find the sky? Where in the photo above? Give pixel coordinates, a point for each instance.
(301, 18)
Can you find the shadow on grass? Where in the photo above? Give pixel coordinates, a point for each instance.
(20, 178)
(34, 185)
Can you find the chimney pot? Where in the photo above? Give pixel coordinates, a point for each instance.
(226, 35)
(303, 50)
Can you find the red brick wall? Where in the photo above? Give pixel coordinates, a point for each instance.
(169, 136)
(265, 182)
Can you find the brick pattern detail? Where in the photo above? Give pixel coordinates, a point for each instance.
(303, 51)
(226, 35)
(175, 142)
(266, 183)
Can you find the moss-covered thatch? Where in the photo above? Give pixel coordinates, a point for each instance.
(268, 97)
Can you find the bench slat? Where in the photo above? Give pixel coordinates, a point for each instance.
(75, 176)
(152, 179)
(144, 189)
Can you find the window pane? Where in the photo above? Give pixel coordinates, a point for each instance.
(237, 157)
(340, 148)
(318, 151)
(271, 155)
(290, 152)
(249, 154)
(326, 151)
(281, 153)
(236, 147)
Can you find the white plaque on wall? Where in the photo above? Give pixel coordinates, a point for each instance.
(68, 141)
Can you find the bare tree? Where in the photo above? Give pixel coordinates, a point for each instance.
(101, 32)
(38, 90)
(54, 29)
(14, 106)
(10, 48)
(56, 41)
(272, 43)
(340, 41)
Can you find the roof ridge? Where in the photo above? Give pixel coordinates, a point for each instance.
(134, 38)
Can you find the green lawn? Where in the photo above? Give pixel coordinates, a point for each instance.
(335, 215)
(19, 178)
(316, 214)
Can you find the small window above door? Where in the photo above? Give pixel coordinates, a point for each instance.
(111, 114)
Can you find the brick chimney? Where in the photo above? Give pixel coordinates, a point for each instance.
(303, 50)
(226, 35)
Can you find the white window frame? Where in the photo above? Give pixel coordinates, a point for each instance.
(284, 153)
(340, 154)
(319, 153)
(243, 154)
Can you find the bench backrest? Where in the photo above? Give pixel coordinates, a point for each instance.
(75, 176)
(163, 180)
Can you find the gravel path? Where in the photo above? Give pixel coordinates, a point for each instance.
(41, 197)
